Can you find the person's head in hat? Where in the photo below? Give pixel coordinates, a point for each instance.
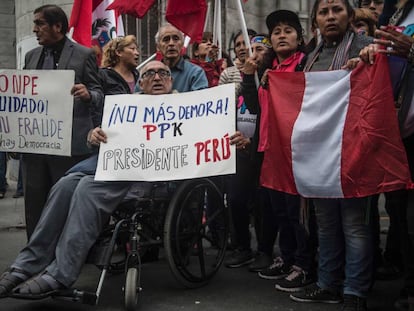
(285, 32)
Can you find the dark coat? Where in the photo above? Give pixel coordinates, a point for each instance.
(82, 60)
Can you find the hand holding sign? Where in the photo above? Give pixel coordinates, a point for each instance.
(168, 137)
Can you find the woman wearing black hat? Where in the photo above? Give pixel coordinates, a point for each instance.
(345, 235)
(292, 269)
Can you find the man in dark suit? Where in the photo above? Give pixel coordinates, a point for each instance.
(41, 172)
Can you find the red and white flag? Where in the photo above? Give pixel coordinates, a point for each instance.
(188, 16)
(136, 8)
(334, 134)
(92, 25)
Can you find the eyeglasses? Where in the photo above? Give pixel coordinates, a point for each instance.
(368, 2)
(150, 74)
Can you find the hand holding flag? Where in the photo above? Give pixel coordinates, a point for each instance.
(334, 134)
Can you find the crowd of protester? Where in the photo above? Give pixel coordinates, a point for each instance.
(331, 255)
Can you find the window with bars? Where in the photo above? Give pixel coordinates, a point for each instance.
(144, 29)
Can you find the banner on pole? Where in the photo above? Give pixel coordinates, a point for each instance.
(168, 137)
(36, 110)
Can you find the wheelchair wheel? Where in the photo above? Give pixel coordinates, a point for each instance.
(131, 289)
(195, 232)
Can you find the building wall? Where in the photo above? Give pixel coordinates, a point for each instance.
(25, 38)
(255, 16)
(7, 35)
(17, 22)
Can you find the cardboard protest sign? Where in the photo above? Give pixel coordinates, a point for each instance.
(36, 110)
(168, 137)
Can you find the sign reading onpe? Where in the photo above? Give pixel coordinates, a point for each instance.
(36, 110)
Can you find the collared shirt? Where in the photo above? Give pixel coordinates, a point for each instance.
(188, 77)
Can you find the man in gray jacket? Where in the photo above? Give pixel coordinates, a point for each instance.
(40, 171)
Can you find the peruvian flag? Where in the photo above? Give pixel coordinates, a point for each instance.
(92, 25)
(188, 16)
(334, 134)
(136, 8)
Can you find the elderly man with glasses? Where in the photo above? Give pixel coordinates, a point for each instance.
(74, 214)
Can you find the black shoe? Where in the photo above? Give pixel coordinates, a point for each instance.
(401, 304)
(18, 195)
(295, 281)
(313, 293)
(239, 258)
(276, 271)
(261, 262)
(387, 272)
(404, 304)
(354, 303)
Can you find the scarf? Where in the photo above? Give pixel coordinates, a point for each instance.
(341, 54)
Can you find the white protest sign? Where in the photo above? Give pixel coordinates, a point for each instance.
(36, 110)
(168, 137)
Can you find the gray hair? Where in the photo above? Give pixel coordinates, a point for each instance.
(157, 35)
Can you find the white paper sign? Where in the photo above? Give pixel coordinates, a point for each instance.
(36, 110)
(168, 137)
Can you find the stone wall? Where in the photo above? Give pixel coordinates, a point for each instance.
(255, 15)
(7, 35)
(16, 22)
(25, 38)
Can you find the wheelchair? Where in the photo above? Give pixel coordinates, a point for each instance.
(189, 219)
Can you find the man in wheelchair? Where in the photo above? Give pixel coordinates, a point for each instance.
(76, 210)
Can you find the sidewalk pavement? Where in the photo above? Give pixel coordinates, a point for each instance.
(11, 210)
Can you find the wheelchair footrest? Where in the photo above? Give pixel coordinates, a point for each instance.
(77, 296)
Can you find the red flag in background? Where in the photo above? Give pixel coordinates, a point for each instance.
(136, 8)
(188, 16)
(81, 21)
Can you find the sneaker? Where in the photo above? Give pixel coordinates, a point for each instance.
(239, 258)
(354, 303)
(276, 271)
(313, 293)
(295, 281)
(401, 304)
(261, 262)
(17, 195)
(387, 272)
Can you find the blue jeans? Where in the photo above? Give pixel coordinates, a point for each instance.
(3, 169)
(345, 245)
